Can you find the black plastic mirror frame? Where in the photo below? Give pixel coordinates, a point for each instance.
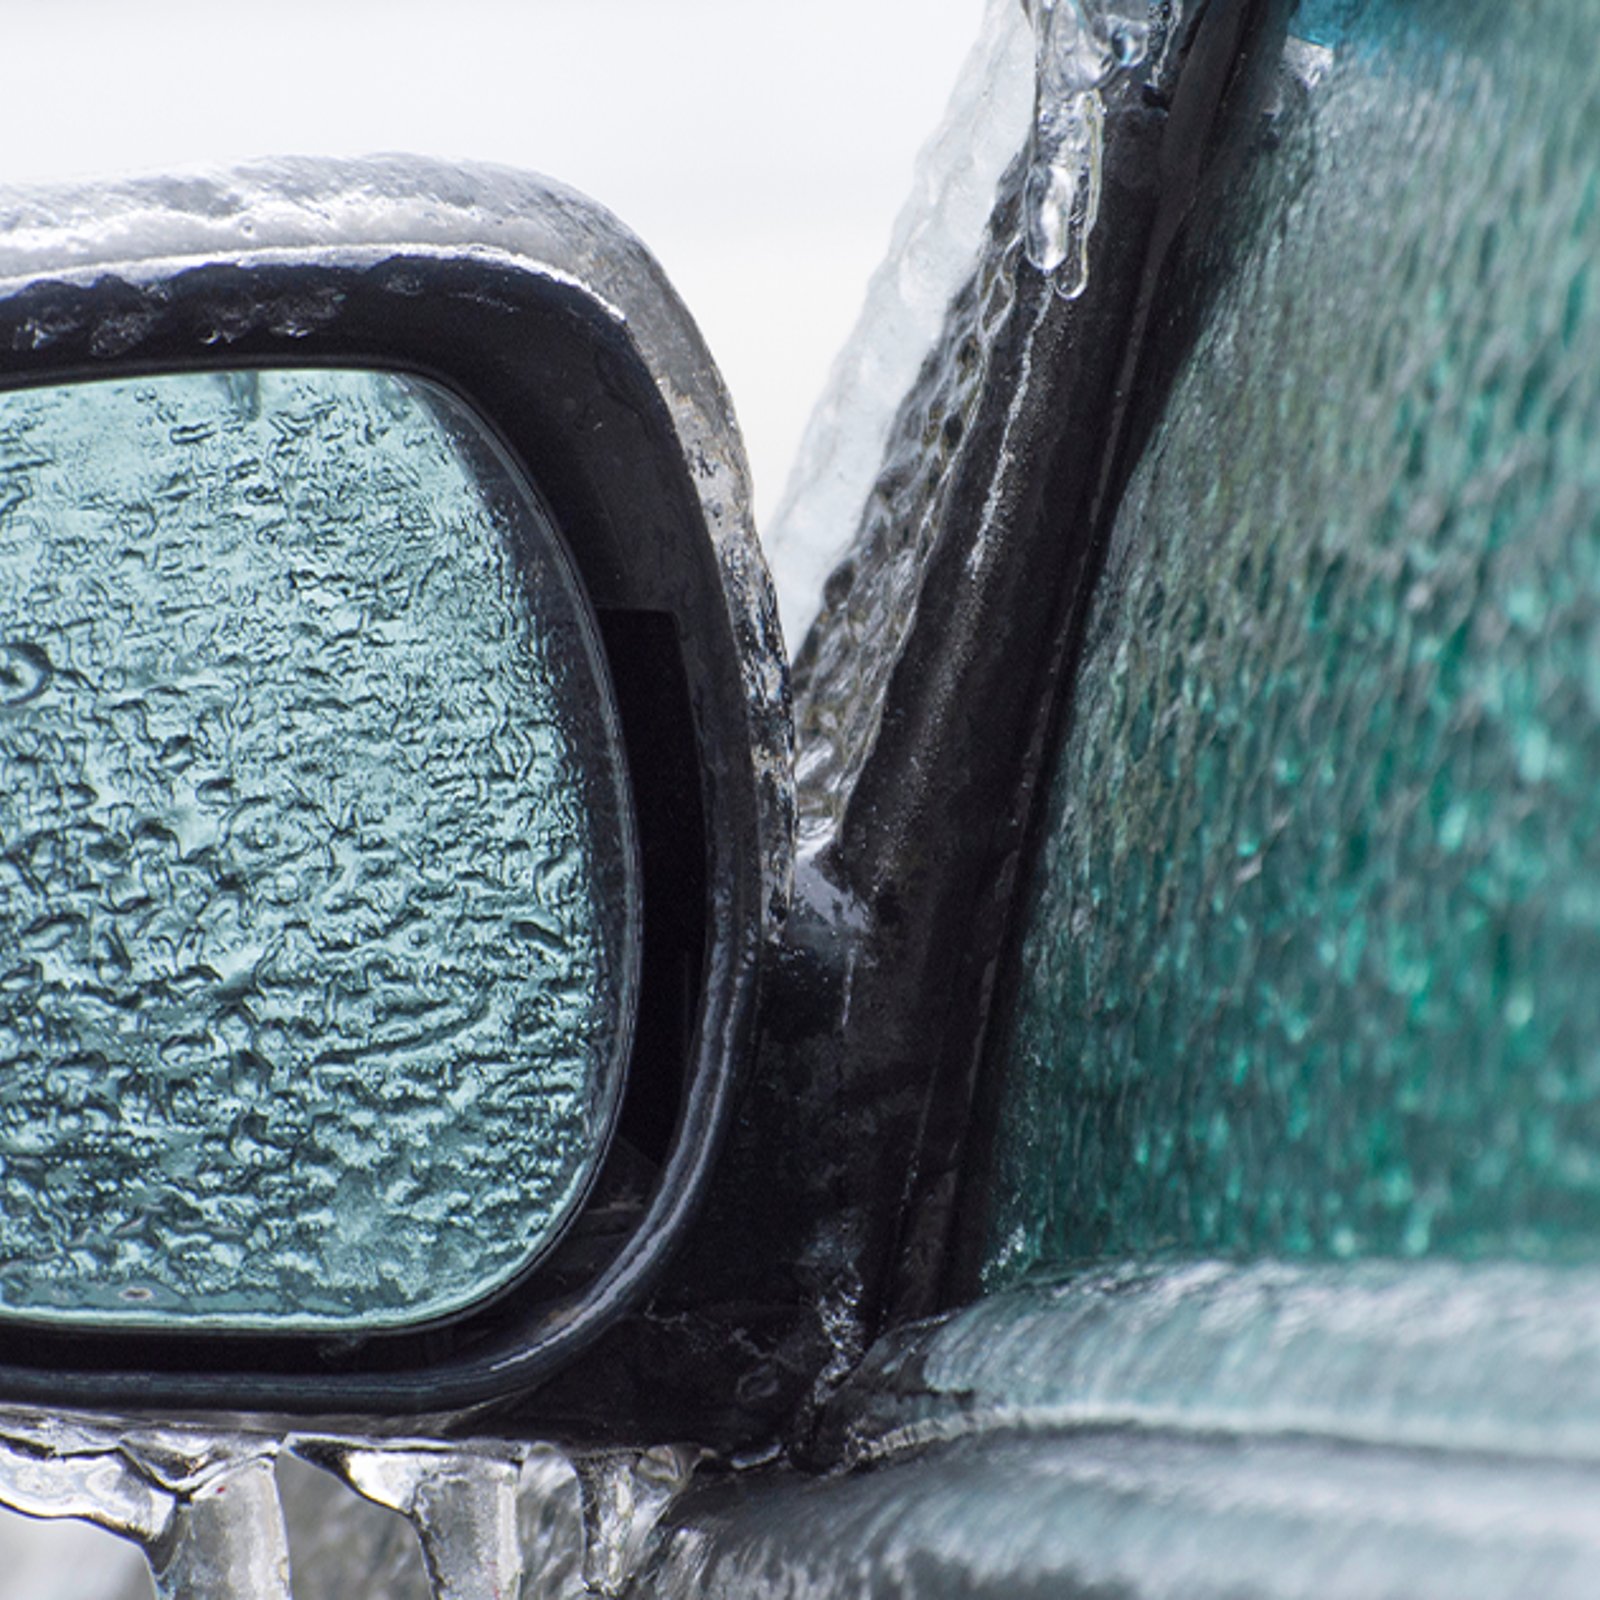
(553, 324)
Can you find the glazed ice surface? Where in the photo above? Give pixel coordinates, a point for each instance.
(314, 862)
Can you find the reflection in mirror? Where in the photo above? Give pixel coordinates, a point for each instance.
(317, 907)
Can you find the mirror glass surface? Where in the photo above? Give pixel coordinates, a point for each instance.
(318, 916)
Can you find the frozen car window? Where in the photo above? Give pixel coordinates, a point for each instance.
(1311, 966)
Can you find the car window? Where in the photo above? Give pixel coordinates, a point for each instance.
(1309, 969)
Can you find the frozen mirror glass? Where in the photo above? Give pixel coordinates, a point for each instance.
(318, 920)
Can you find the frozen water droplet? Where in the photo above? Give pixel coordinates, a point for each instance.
(625, 1494)
(1062, 196)
(1130, 42)
(24, 673)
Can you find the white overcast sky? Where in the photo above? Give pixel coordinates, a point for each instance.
(761, 148)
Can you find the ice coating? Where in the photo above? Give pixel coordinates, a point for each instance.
(932, 441)
(1139, 1515)
(1501, 1359)
(1021, 91)
(1310, 966)
(314, 865)
(844, 667)
(935, 246)
(1079, 45)
(363, 210)
(202, 1505)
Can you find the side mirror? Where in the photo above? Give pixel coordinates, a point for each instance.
(394, 784)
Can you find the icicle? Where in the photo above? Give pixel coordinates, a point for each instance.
(550, 1525)
(227, 1540)
(202, 1506)
(1080, 45)
(625, 1494)
(461, 1499)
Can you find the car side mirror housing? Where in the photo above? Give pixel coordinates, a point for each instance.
(396, 797)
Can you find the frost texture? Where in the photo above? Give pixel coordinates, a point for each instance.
(312, 868)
